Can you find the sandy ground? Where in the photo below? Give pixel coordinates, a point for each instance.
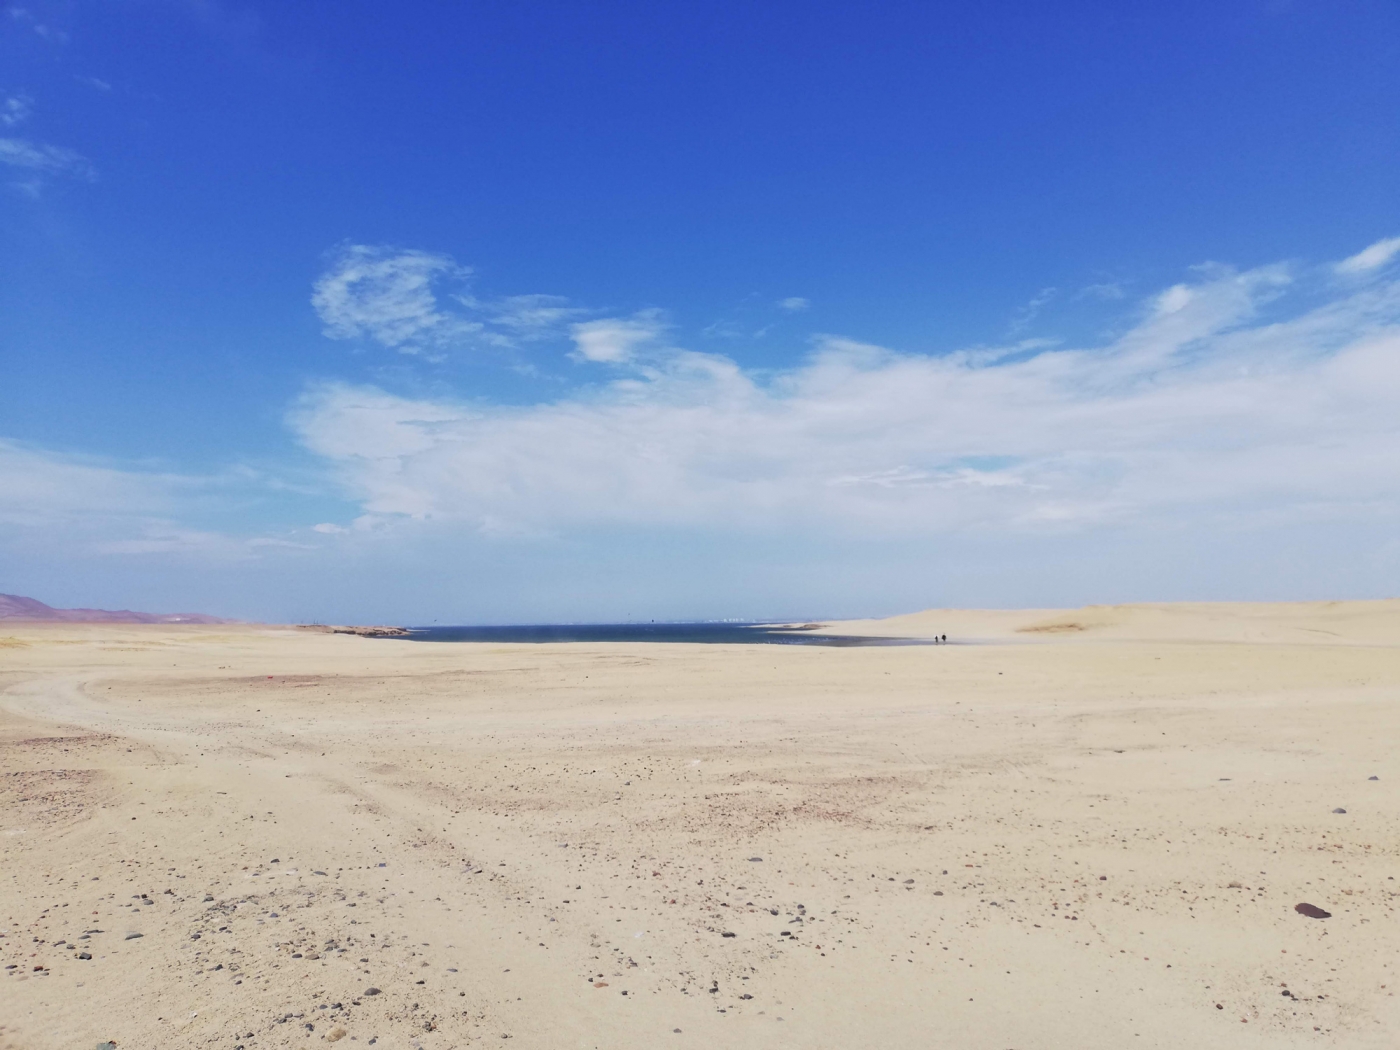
(1088, 830)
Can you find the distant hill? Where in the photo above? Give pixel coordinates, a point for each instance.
(14, 607)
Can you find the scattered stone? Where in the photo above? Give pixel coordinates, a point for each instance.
(334, 1034)
(600, 984)
(752, 860)
(1339, 809)
(746, 995)
(371, 991)
(727, 933)
(908, 882)
(84, 955)
(1312, 911)
(133, 936)
(1373, 778)
(108, 1045)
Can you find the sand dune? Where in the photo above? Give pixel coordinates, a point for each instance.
(1090, 832)
(1328, 623)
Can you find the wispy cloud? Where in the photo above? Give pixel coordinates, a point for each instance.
(86, 506)
(1216, 405)
(387, 294)
(36, 158)
(532, 317)
(1031, 310)
(1371, 258)
(616, 340)
(1102, 290)
(23, 16)
(16, 109)
(415, 301)
(794, 304)
(41, 159)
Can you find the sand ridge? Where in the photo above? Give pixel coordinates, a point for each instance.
(1087, 837)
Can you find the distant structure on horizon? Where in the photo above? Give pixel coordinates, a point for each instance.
(14, 607)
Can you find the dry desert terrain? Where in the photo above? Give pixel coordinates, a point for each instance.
(1080, 829)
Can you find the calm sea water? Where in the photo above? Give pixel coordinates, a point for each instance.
(704, 633)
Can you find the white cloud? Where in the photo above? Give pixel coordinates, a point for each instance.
(386, 294)
(16, 109)
(405, 299)
(616, 340)
(1031, 310)
(1200, 412)
(794, 304)
(1371, 258)
(38, 157)
(533, 317)
(1102, 290)
(83, 506)
(24, 16)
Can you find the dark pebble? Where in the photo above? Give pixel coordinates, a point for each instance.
(752, 860)
(1339, 809)
(726, 933)
(84, 955)
(133, 936)
(1312, 911)
(371, 991)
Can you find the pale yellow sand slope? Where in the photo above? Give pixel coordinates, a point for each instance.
(1091, 836)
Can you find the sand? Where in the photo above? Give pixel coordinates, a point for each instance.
(1089, 830)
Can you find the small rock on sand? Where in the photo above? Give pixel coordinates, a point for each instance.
(1312, 911)
(1339, 809)
(371, 991)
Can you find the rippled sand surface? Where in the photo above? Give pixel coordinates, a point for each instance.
(1090, 832)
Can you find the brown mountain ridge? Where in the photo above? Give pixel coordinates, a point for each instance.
(14, 607)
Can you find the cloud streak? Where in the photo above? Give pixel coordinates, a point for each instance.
(49, 160)
(87, 507)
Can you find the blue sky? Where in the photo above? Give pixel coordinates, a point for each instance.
(492, 312)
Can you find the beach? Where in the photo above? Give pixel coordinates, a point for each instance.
(1075, 829)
